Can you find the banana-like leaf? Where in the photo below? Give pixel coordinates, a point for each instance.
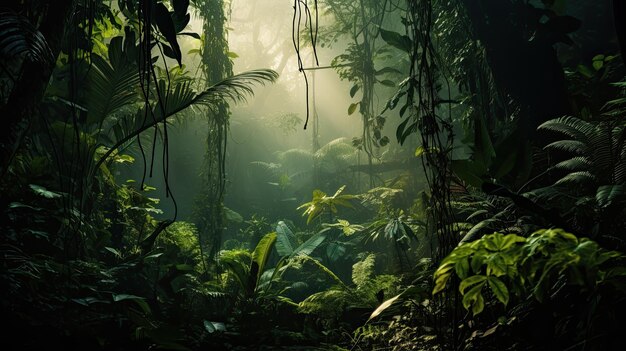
(237, 264)
(310, 245)
(285, 240)
(260, 255)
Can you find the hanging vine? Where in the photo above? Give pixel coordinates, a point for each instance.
(426, 116)
(435, 128)
(303, 19)
(216, 66)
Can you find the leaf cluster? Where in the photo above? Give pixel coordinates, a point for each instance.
(511, 265)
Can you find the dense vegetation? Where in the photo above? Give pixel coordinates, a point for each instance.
(480, 204)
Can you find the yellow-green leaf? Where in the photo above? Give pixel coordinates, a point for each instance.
(499, 289)
(478, 305)
(467, 282)
(352, 108)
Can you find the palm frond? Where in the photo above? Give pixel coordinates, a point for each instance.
(295, 159)
(576, 178)
(545, 194)
(272, 169)
(573, 146)
(235, 88)
(336, 154)
(334, 148)
(578, 163)
(602, 148)
(571, 126)
(109, 88)
(607, 194)
(19, 37)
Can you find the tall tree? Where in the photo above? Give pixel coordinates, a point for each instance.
(525, 67)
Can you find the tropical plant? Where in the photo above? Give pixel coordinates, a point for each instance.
(367, 291)
(21, 39)
(247, 268)
(324, 204)
(598, 153)
(591, 180)
(549, 265)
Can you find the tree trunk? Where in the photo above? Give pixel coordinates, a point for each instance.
(529, 71)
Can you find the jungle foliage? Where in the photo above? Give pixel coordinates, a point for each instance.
(482, 205)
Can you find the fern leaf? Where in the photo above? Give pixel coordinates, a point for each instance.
(606, 194)
(574, 164)
(572, 146)
(576, 178)
(571, 126)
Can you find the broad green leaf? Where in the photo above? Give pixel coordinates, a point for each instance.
(397, 40)
(484, 153)
(597, 64)
(308, 246)
(166, 26)
(511, 239)
(232, 216)
(41, 191)
(477, 262)
(472, 295)
(140, 301)
(260, 255)
(499, 289)
(383, 306)
(86, 301)
(478, 305)
(213, 327)
(191, 34)
(335, 250)
(115, 252)
(285, 240)
(352, 108)
(585, 71)
(122, 297)
(606, 194)
(354, 90)
(470, 281)
(496, 265)
(184, 267)
(462, 268)
(442, 274)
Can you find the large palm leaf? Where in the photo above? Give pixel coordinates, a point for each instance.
(112, 84)
(20, 38)
(236, 88)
